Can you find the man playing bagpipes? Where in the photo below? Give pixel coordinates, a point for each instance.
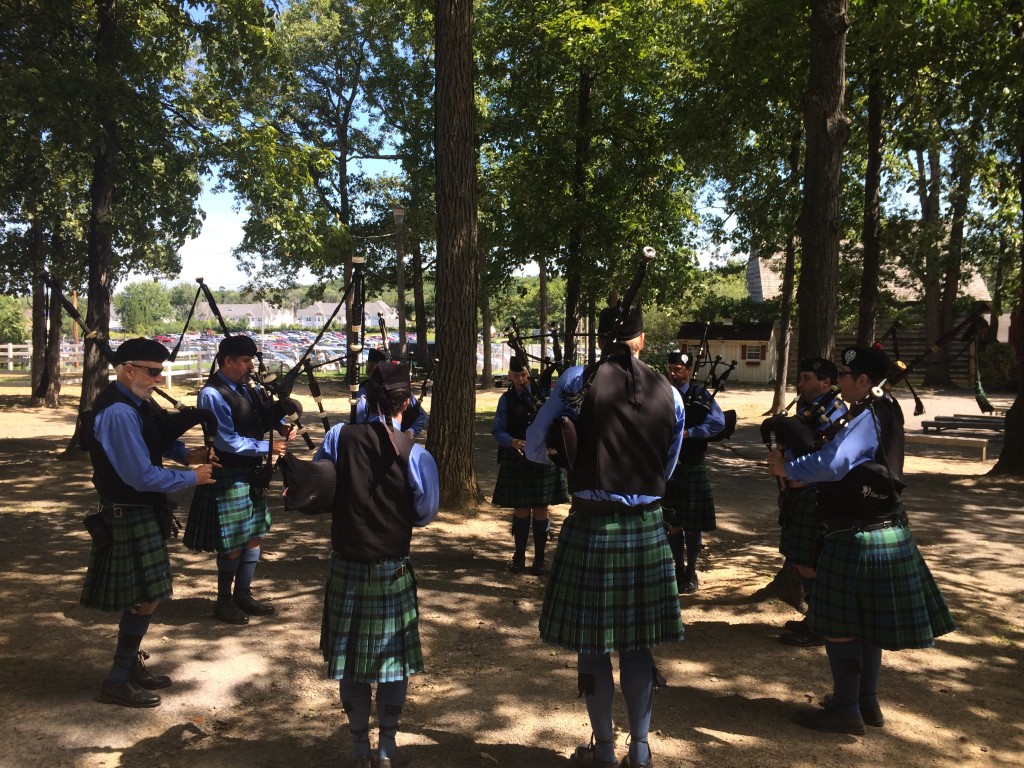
(415, 418)
(689, 505)
(129, 571)
(612, 586)
(818, 405)
(386, 486)
(232, 517)
(529, 488)
(873, 590)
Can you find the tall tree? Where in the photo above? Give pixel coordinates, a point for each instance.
(452, 430)
(827, 130)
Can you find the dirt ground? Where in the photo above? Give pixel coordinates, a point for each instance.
(493, 694)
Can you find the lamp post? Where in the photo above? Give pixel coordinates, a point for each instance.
(399, 212)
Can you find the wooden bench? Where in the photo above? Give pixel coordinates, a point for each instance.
(964, 422)
(949, 441)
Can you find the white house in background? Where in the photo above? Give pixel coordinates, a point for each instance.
(253, 316)
(751, 345)
(316, 314)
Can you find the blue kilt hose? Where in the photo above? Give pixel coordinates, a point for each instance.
(222, 517)
(688, 502)
(523, 483)
(798, 540)
(134, 568)
(612, 586)
(370, 628)
(875, 585)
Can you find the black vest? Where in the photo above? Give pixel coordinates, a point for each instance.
(622, 448)
(250, 420)
(106, 480)
(519, 413)
(373, 505)
(697, 412)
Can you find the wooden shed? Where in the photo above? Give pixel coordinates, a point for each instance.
(751, 345)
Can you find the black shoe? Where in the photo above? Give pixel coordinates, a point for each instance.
(690, 586)
(795, 625)
(253, 607)
(870, 713)
(538, 568)
(143, 678)
(627, 763)
(229, 613)
(802, 638)
(584, 756)
(518, 564)
(128, 694)
(829, 722)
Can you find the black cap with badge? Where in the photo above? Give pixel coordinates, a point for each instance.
(867, 360)
(145, 350)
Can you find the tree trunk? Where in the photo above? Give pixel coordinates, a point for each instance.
(782, 343)
(420, 302)
(38, 364)
(100, 244)
(937, 368)
(872, 228)
(487, 372)
(827, 130)
(52, 394)
(1011, 458)
(575, 266)
(452, 429)
(542, 272)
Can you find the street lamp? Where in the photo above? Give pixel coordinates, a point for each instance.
(399, 212)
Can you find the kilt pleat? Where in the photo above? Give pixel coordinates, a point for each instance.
(370, 627)
(522, 483)
(689, 503)
(134, 568)
(612, 585)
(222, 517)
(798, 539)
(876, 585)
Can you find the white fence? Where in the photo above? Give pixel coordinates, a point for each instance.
(189, 368)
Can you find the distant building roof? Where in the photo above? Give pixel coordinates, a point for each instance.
(726, 332)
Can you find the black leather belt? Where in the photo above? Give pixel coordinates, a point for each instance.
(849, 524)
(592, 507)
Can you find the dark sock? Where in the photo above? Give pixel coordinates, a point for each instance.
(871, 668)
(598, 689)
(845, 662)
(808, 585)
(636, 678)
(675, 543)
(521, 533)
(540, 537)
(247, 563)
(693, 547)
(226, 567)
(131, 630)
(390, 700)
(355, 700)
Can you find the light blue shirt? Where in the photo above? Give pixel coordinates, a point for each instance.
(423, 478)
(227, 438)
(363, 418)
(118, 428)
(499, 428)
(852, 446)
(536, 435)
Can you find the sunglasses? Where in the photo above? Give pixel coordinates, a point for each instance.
(153, 372)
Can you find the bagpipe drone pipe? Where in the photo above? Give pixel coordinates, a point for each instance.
(172, 424)
(699, 399)
(561, 436)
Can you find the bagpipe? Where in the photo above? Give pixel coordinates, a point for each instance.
(561, 437)
(172, 425)
(515, 342)
(801, 431)
(699, 398)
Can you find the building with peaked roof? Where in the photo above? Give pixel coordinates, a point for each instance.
(751, 345)
(252, 316)
(316, 314)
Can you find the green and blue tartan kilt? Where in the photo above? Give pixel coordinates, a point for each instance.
(370, 629)
(798, 540)
(689, 503)
(222, 517)
(523, 483)
(875, 585)
(612, 585)
(134, 568)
